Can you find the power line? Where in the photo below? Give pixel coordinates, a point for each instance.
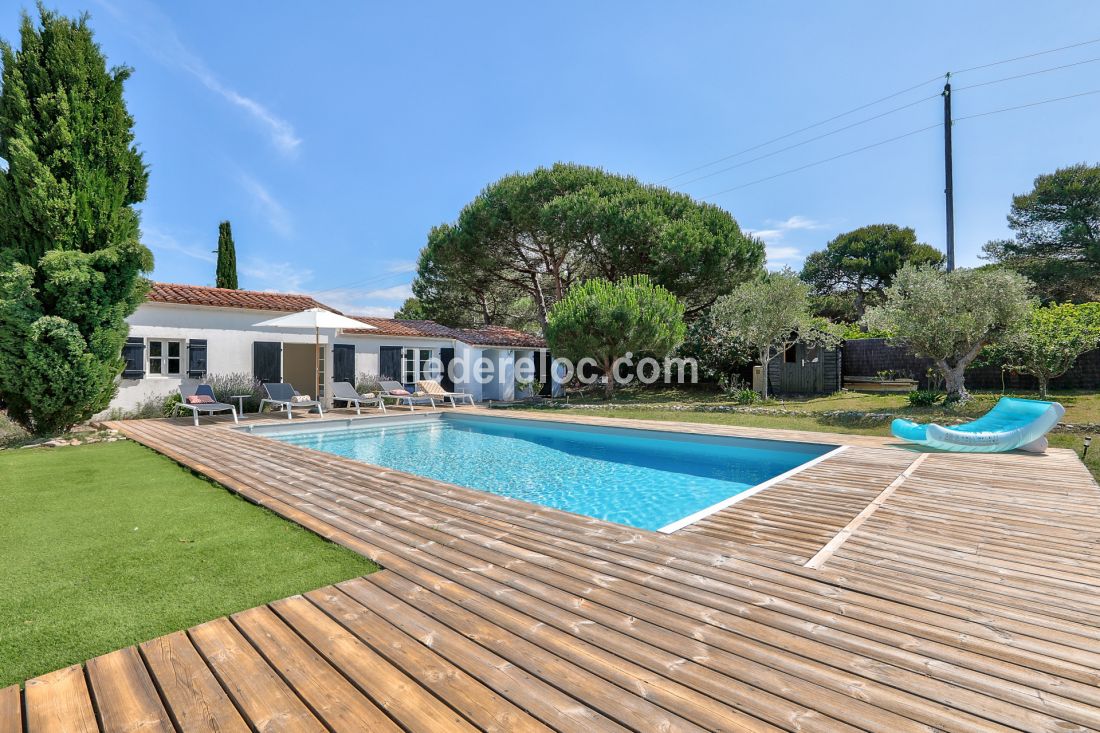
(900, 137)
(886, 98)
(809, 127)
(809, 140)
(825, 160)
(364, 281)
(1027, 56)
(1025, 106)
(1030, 73)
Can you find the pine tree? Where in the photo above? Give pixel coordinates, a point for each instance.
(71, 262)
(227, 258)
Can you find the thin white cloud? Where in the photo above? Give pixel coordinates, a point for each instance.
(778, 253)
(274, 212)
(800, 222)
(373, 311)
(774, 237)
(396, 293)
(778, 229)
(153, 30)
(280, 277)
(399, 267)
(161, 241)
(356, 302)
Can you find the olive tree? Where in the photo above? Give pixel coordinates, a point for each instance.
(770, 315)
(1050, 341)
(949, 317)
(605, 320)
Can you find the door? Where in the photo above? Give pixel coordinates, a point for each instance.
(543, 375)
(389, 363)
(343, 363)
(802, 370)
(446, 356)
(267, 361)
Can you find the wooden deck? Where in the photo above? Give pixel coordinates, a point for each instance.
(962, 597)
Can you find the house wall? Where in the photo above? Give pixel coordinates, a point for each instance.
(230, 333)
(366, 349)
(502, 386)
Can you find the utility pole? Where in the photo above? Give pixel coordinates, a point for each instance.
(947, 188)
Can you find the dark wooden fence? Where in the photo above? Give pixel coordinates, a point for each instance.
(867, 357)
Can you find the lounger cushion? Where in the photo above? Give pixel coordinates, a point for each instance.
(400, 392)
(200, 399)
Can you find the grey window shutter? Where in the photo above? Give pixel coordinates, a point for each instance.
(196, 358)
(267, 361)
(343, 363)
(446, 356)
(133, 353)
(389, 363)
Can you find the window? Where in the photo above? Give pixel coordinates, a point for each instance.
(790, 356)
(164, 357)
(417, 364)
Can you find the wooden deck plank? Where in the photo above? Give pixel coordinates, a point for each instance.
(260, 694)
(801, 514)
(522, 681)
(478, 702)
(125, 695)
(403, 698)
(329, 695)
(11, 710)
(59, 702)
(194, 696)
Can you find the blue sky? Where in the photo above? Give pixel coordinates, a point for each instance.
(334, 139)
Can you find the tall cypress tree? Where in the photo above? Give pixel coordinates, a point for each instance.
(227, 258)
(71, 262)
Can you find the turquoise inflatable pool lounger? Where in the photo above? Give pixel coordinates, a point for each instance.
(1012, 423)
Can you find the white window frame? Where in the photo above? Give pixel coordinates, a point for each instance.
(422, 364)
(164, 358)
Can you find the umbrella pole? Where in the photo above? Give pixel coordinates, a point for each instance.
(317, 361)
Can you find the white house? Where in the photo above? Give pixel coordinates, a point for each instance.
(190, 332)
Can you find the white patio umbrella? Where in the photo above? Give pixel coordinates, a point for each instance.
(315, 318)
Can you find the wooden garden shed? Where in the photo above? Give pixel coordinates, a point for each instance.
(806, 369)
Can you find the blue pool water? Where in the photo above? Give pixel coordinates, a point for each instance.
(641, 478)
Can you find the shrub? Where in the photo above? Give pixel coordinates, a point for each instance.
(368, 383)
(231, 383)
(70, 253)
(150, 407)
(738, 391)
(607, 321)
(169, 404)
(923, 398)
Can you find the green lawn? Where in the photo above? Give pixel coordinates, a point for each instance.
(106, 545)
(844, 412)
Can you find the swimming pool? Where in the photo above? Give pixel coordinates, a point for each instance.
(649, 479)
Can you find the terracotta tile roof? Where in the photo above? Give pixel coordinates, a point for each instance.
(398, 327)
(484, 336)
(498, 336)
(226, 298)
(291, 303)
